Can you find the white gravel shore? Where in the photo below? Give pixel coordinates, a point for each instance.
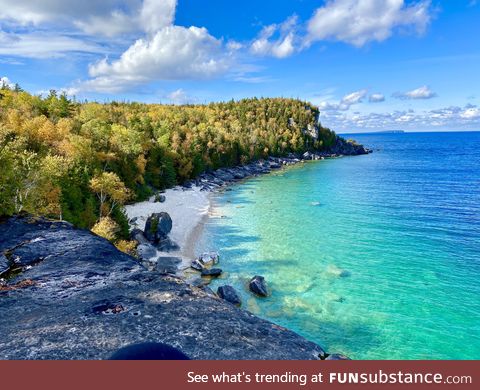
(188, 209)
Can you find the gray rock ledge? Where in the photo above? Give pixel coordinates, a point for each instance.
(78, 297)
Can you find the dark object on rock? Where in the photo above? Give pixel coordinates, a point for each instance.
(212, 272)
(322, 355)
(337, 356)
(258, 286)
(209, 258)
(149, 351)
(229, 294)
(160, 198)
(4, 266)
(157, 227)
(80, 271)
(167, 265)
(106, 307)
(146, 251)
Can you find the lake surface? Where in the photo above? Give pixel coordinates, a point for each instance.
(376, 257)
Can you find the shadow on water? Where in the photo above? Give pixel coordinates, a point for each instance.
(337, 334)
(236, 198)
(230, 240)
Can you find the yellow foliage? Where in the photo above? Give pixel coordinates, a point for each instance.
(128, 247)
(106, 228)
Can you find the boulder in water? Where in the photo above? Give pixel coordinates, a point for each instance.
(212, 272)
(209, 258)
(158, 226)
(229, 294)
(258, 286)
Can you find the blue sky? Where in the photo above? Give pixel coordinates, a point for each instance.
(368, 64)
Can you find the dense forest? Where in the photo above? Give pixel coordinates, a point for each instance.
(81, 162)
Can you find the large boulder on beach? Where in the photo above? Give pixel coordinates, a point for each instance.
(258, 286)
(158, 226)
(229, 294)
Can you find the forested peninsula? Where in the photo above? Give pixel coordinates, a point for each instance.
(81, 162)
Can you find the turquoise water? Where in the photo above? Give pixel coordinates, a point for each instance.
(375, 256)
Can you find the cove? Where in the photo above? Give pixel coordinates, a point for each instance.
(375, 256)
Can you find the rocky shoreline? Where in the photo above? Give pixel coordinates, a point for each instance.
(69, 294)
(216, 179)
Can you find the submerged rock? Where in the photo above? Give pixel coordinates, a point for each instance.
(229, 294)
(158, 226)
(86, 300)
(212, 272)
(258, 286)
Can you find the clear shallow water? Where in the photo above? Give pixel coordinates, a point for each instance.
(376, 256)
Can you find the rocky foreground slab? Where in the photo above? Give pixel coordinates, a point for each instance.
(68, 294)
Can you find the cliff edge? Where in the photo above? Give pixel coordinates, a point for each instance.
(68, 294)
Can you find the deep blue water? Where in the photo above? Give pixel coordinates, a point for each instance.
(375, 256)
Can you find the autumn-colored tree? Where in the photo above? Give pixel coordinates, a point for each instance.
(82, 161)
(109, 187)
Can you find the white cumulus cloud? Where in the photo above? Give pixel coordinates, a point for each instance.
(471, 113)
(345, 103)
(5, 82)
(106, 17)
(358, 22)
(355, 22)
(376, 98)
(423, 92)
(277, 40)
(173, 53)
